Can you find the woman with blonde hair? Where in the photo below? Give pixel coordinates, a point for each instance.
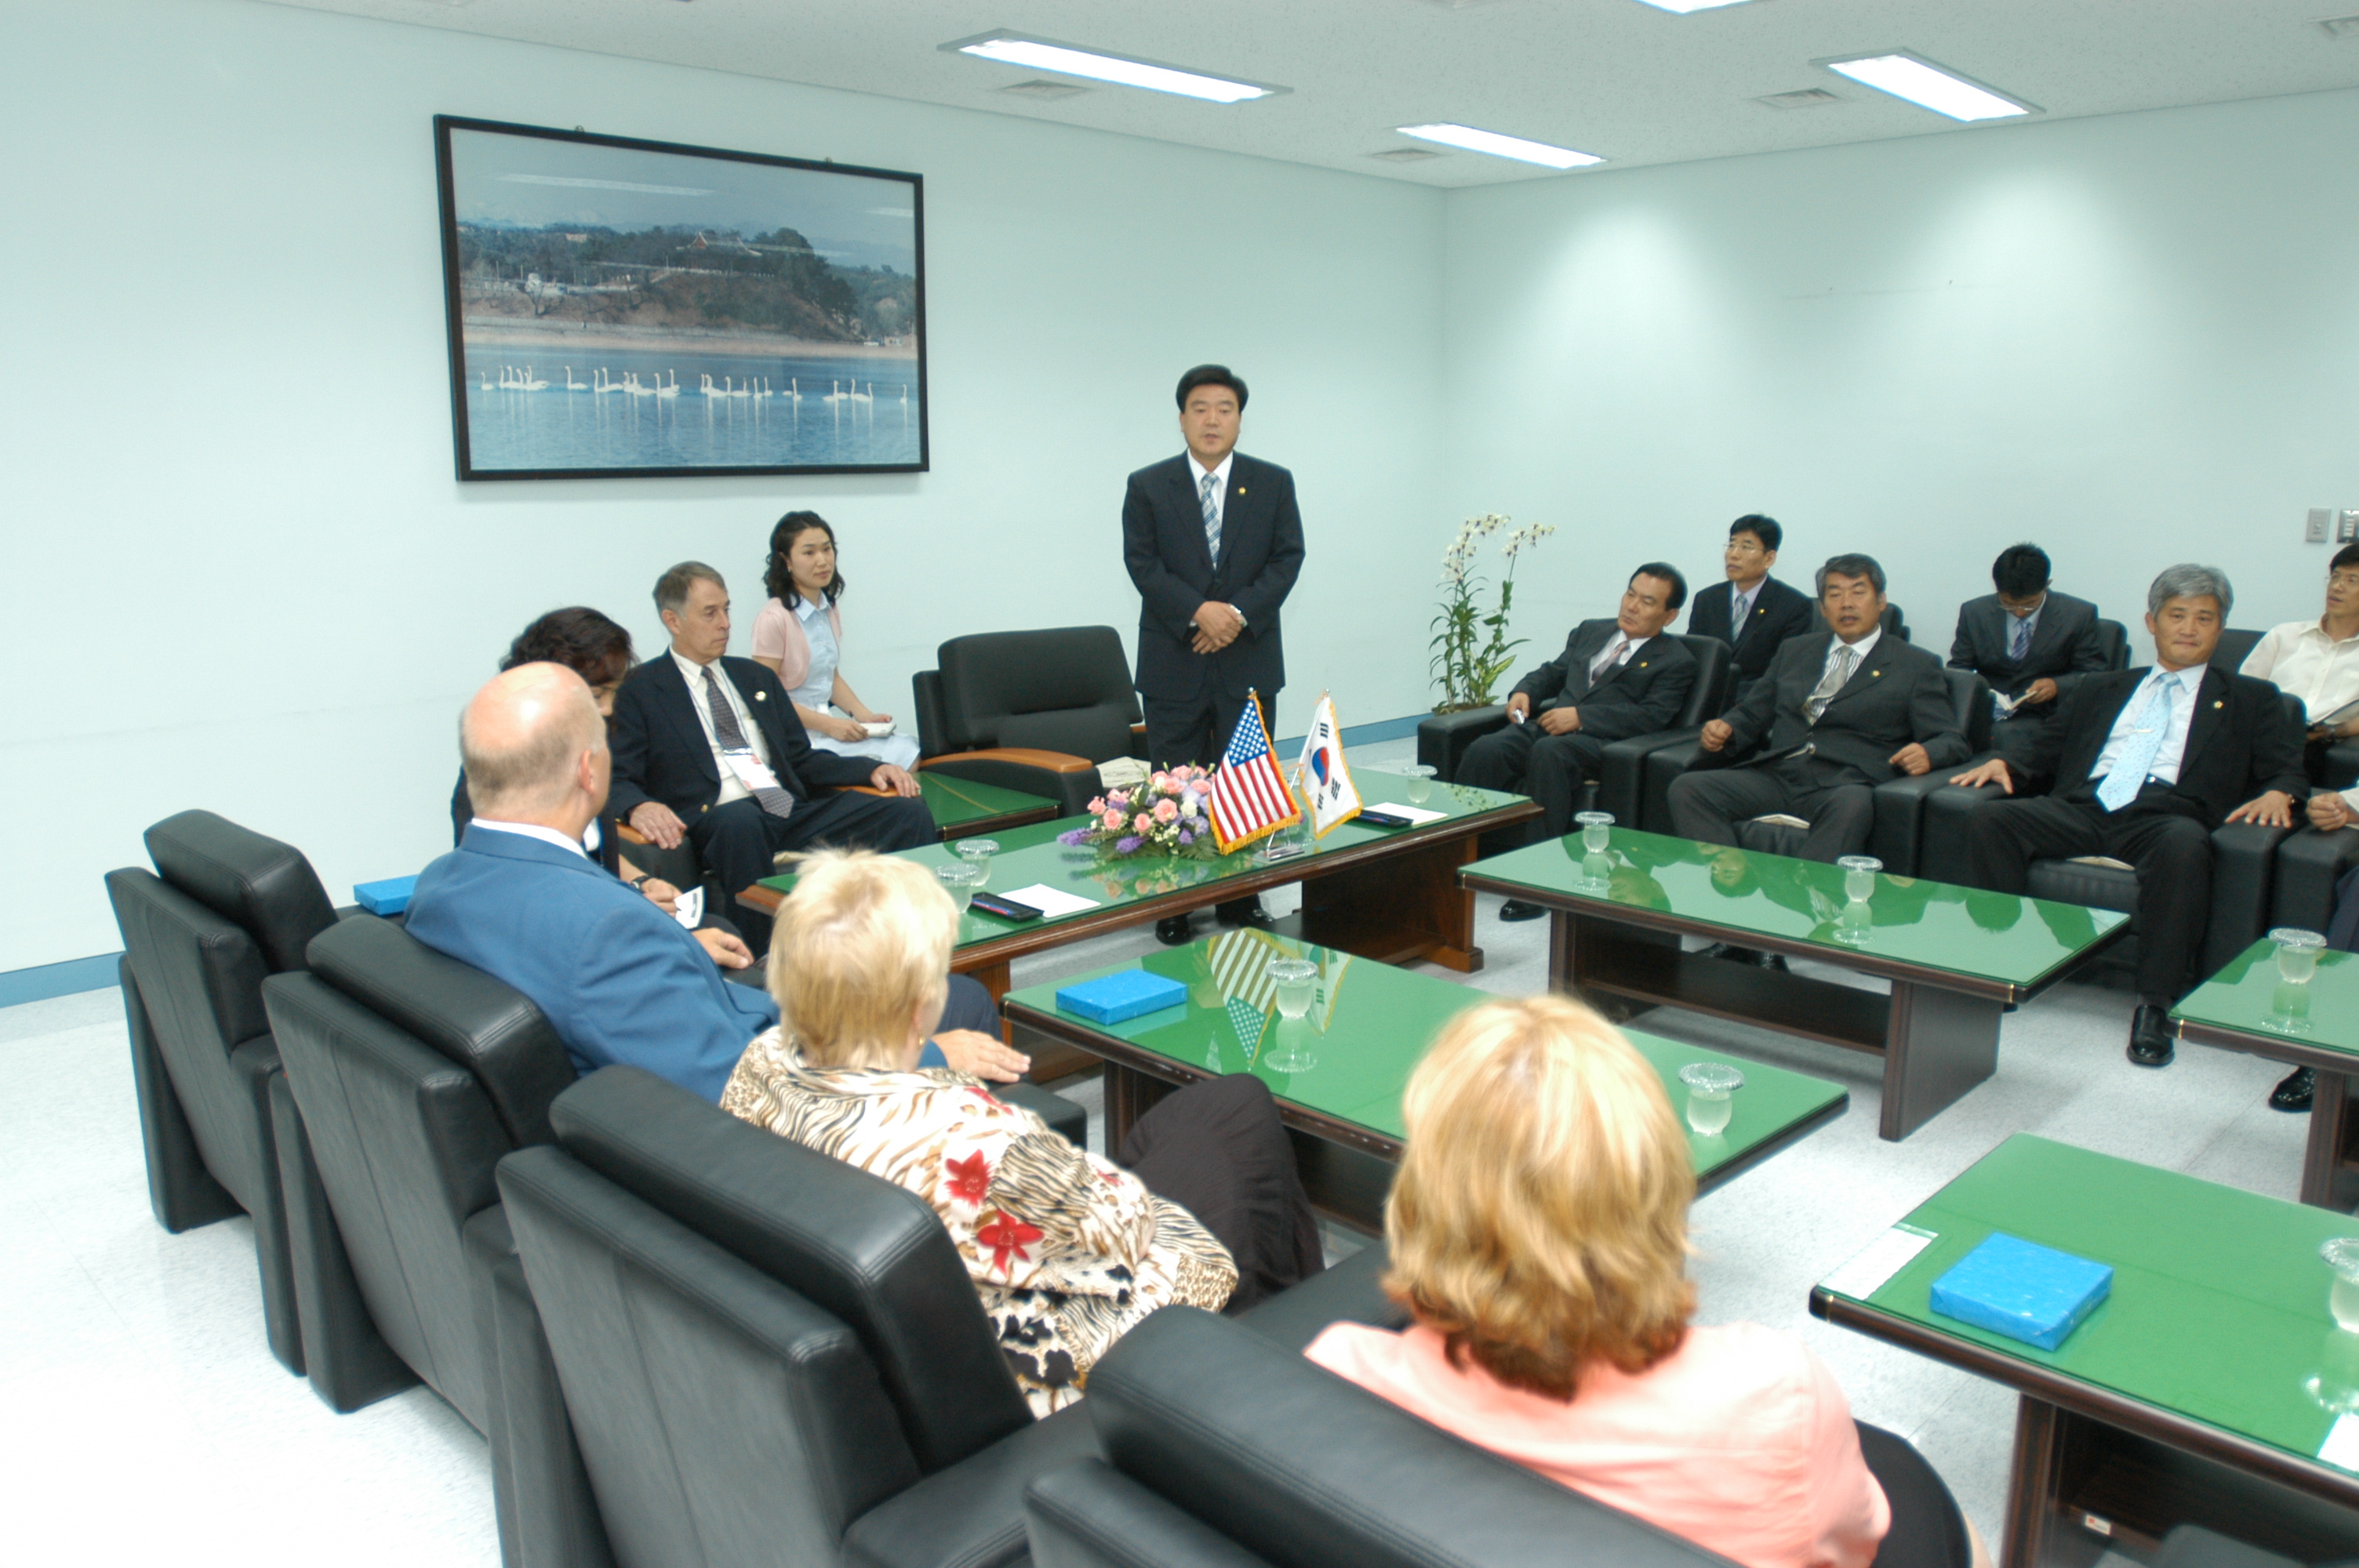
(1539, 1239)
(1067, 1251)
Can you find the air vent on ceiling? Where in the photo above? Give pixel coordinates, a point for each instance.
(2339, 27)
(1041, 88)
(1808, 98)
(1404, 155)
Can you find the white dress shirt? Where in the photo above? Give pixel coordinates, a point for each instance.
(535, 830)
(2133, 719)
(1221, 477)
(2300, 659)
(732, 788)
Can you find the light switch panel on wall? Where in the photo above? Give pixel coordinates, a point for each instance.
(2346, 527)
(2314, 531)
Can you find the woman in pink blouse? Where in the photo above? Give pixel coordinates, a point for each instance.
(1539, 1237)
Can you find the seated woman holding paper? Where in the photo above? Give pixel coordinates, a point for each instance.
(799, 635)
(1066, 1250)
(1539, 1237)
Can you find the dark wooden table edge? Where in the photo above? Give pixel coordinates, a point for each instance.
(2083, 1399)
(1785, 1138)
(2274, 1047)
(1896, 969)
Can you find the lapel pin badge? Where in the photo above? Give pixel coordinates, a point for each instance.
(761, 696)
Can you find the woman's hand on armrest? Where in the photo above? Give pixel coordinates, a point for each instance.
(971, 1051)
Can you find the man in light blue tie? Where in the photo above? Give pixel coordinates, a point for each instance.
(2142, 766)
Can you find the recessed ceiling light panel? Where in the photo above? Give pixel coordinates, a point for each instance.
(1068, 59)
(1928, 86)
(1497, 145)
(1684, 7)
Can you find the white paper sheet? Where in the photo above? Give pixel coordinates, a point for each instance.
(1418, 815)
(689, 908)
(2342, 1446)
(1050, 902)
(1878, 1261)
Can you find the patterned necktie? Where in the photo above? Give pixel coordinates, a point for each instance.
(1212, 514)
(777, 802)
(1740, 610)
(2019, 640)
(2137, 760)
(1617, 652)
(1833, 681)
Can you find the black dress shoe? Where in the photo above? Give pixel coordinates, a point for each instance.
(2150, 1041)
(2296, 1092)
(1172, 931)
(1516, 909)
(1246, 913)
(1772, 961)
(1730, 951)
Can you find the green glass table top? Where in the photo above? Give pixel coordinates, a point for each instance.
(1993, 936)
(2219, 1305)
(1368, 1025)
(1030, 855)
(2249, 995)
(955, 801)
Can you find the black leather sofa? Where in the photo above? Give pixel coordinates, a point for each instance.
(1221, 1450)
(224, 908)
(1443, 738)
(1036, 711)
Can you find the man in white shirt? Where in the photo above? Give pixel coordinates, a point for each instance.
(2318, 660)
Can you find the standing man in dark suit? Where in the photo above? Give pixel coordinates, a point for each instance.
(1836, 713)
(2141, 767)
(1614, 679)
(2030, 643)
(1213, 541)
(708, 748)
(1752, 612)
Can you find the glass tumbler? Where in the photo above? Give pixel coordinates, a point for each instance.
(1859, 876)
(2341, 1256)
(960, 881)
(1711, 1087)
(2297, 953)
(1596, 830)
(977, 852)
(1419, 785)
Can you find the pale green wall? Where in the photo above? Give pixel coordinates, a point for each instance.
(241, 575)
(2131, 340)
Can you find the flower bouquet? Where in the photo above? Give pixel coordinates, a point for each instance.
(1167, 814)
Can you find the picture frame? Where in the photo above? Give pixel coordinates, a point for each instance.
(623, 309)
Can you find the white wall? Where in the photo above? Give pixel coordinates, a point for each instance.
(241, 574)
(2131, 340)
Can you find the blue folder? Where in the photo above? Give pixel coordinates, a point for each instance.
(388, 898)
(2022, 1290)
(1110, 999)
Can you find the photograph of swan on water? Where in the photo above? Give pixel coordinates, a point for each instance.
(623, 308)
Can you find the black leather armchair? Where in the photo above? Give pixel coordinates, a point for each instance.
(1221, 1450)
(1442, 739)
(2310, 865)
(1036, 711)
(225, 908)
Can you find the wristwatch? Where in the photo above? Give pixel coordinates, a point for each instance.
(639, 883)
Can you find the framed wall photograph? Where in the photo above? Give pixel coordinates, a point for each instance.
(623, 308)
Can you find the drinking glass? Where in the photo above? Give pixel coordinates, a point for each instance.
(2289, 1008)
(1596, 830)
(2297, 953)
(960, 882)
(1420, 785)
(1711, 1086)
(1597, 873)
(1855, 922)
(1859, 876)
(2342, 1255)
(1294, 978)
(977, 852)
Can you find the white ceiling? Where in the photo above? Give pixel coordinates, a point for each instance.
(1622, 80)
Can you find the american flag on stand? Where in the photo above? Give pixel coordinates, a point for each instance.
(1250, 799)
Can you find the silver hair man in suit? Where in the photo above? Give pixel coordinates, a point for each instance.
(2032, 644)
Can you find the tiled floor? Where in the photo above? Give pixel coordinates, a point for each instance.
(146, 1421)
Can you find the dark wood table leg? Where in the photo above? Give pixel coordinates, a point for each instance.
(1399, 909)
(2053, 1458)
(1129, 1094)
(2327, 1178)
(1936, 1046)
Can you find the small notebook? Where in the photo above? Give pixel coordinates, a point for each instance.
(1110, 999)
(2022, 1290)
(388, 898)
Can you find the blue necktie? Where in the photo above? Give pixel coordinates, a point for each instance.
(2137, 760)
(2020, 642)
(1211, 515)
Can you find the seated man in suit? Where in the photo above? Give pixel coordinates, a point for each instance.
(2030, 643)
(709, 748)
(2318, 660)
(2141, 767)
(1614, 679)
(1836, 713)
(1752, 612)
(618, 979)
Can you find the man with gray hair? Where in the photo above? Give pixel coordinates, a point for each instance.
(2141, 766)
(709, 748)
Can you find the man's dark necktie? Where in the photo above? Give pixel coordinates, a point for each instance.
(777, 802)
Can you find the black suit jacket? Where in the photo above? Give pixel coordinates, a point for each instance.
(1638, 697)
(2241, 742)
(1779, 612)
(661, 752)
(1261, 553)
(1898, 695)
(2064, 644)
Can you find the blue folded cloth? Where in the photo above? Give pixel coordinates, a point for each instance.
(1110, 999)
(388, 898)
(2022, 1290)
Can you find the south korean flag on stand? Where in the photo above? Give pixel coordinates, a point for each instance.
(1322, 780)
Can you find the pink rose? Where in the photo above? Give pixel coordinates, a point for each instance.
(1166, 811)
(1112, 819)
(1161, 781)
(1141, 823)
(1097, 806)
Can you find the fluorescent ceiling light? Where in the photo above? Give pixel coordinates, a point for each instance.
(1929, 85)
(1684, 7)
(1497, 145)
(1040, 54)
